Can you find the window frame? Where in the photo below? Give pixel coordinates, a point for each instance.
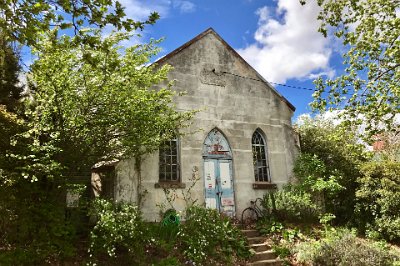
(165, 160)
(260, 148)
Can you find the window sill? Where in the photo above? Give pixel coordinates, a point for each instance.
(264, 185)
(169, 185)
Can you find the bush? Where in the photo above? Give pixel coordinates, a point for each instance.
(379, 199)
(119, 231)
(331, 153)
(33, 224)
(207, 237)
(342, 247)
(291, 205)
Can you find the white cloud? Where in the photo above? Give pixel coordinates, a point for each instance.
(330, 73)
(291, 47)
(140, 10)
(184, 6)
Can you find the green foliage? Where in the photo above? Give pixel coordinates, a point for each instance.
(281, 251)
(284, 237)
(89, 103)
(269, 226)
(379, 198)
(33, 223)
(98, 104)
(207, 237)
(10, 90)
(170, 261)
(330, 165)
(369, 31)
(342, 247)
(32, 215)
(121, 236)
(313, 176)
(292, 205)
(119, 231)
(24, 21)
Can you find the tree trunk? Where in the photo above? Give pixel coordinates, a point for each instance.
(138, 171)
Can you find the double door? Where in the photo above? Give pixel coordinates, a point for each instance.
(219, 193)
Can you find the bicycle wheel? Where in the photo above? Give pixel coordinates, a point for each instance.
(249, 216)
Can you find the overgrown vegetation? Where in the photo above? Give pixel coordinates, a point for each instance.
(342, 247)
(379, 200)
(329, 166)
(337, 182)
(206, 235)
(205, 238)
(119, 231)
(292, 205)
(89, 100)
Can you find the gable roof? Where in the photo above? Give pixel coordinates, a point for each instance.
(236, 54)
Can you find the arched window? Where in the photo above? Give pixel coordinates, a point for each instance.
(169, 163)
(260, 159)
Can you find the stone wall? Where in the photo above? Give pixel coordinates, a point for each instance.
(232, 97)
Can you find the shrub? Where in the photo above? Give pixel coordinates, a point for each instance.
(33, 225)
(342, 247)
(206, 237)
(379, 198)
(338, 154)
(291, 205)
(119, 231)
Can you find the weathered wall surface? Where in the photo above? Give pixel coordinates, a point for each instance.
(233, 99)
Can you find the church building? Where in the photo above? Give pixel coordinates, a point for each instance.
(241, 142)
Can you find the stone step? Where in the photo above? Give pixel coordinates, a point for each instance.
(250, 233)
(256, 240)
(275, 262)
(260, 247)
(263, 255)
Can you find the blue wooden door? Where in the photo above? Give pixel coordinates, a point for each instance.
(218, 175)
(219, 185)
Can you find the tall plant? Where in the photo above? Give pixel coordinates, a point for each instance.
(97, 104)
(331, 160)
(89, 102)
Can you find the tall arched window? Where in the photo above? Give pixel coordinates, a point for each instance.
(260, 158)
(169, 164)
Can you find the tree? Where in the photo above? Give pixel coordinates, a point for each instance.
(10, 90)
(89, 100)
(331, 153)
(369, 90)
(98, 103)
(88, 104)
(25, 20)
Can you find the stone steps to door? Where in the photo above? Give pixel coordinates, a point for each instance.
(250, 233)
(256, 240)
(260, 247)
(263, 254)
(274, 262)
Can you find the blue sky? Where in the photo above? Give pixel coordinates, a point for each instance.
(278, 38)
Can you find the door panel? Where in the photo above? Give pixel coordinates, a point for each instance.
(210, 182)
(219, 185)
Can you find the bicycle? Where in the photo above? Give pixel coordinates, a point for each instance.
(251, 214)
